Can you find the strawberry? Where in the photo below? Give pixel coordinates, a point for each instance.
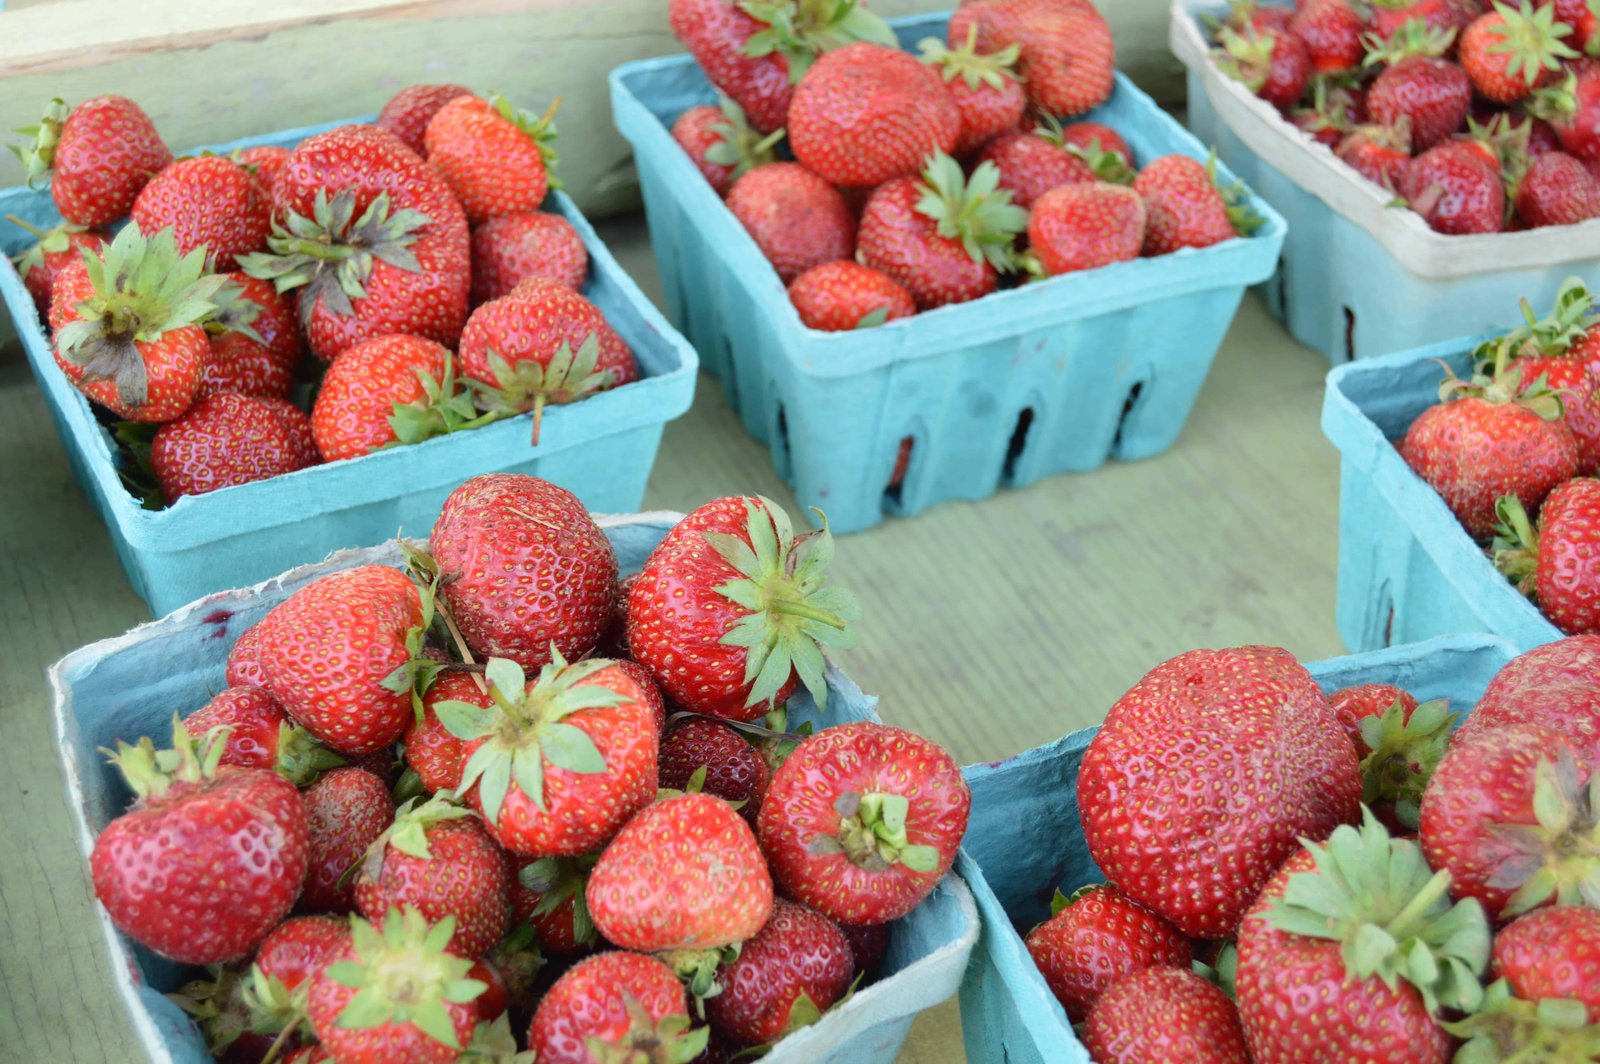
(497, 159)
(209, 202)
(1380, 154)
(653, 700)
(1553, 953)
(1556, 685)
(373, 236)
(409, 111)
(430, 750)
(436, 858)
(863, 820)
(636, 893)
(1573, 109)
(261, 736)
(302, 442)
(395, 993)
(348, 809)
(943, 237)
(1556, 565)
(238, 1013)
(844, 295)
(1507, 1027)
(615, 1006)
(128, 328)
(1165, 1014)
(561, 762)
(1351, 951)
(1391, 16)
(1510, 815)
(525, 571)
(96, 157)
(1333, 111)
(279, 984)
(1186, 208)
(1333, 31)
(207, 860)
(1030, 165)
(222, 440)
(1580, 17)
(1355, 704)
(1200, 732)
(984, 87)
(869, 944)
(729, 767)
(1274, 64)
(255, 342)
(265, 161)
(40, 263)
(1508, 52)
(387, 390)
(1431, 94)
(794, 969)
(1068, 62)
(244, 663)
(1556, 189)
(1097, 938)
(1546, 353)
(511, 248)
(796, 218)
(722, 143)
(1455, 190)
(1083, 227)
(1095, 138)
(730, 610)
(1400, 750)
(548, 895)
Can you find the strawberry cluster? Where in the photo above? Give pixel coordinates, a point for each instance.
(411, 258)
(502, 803)
(1481, 117)
(914, 184)
(1293, 877)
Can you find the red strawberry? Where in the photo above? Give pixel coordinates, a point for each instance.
(523, 568)
(431, 751)
(1508, 52)
(348, 809)
(222, 441)
(209, 202)
(265, 161)
(396, 993)
(984, 87)
(1333, 111)
(207, 860)
(1400, 746)
(509, 249)
(636, 893)
(1030, 165)
(496, 158)
(126, 323)
(863, 820)
(548, 895)
(1553, 953)
(1389, 16)
(722, 143)
(41, 262)
(96, 158)
(1573, 109)
(796, 218)
(375, 237)
(615, 1006)
(1068, 63)
(1333, 32)
(1199, 733)
(1556, 685)
(1165, 1014)
(1094, 138)
(1379, 154)
(869, 944)
(1579, 389)
(1275, 64)
(844, 295)
(244, 664)
(1556, 564)
(641, 675)
(1083, 227)
(255, 342)
(1187, 208)
(1556, 190)
(299, 948)
(1579, 16)
(1455, 190)
(730, 610)
(1355, 704)
(387, 390)
(302, 443)
(1250, 14)
(794, 969)
(409, 111)
(733, 771)
(1432, 95)
(261, 736)
(1097, 938)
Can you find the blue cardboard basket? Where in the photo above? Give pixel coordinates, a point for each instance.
(129, 686)
(1358, 277)
(1026, 840)
(1052, 376)
(602, 449)
(1407, 569)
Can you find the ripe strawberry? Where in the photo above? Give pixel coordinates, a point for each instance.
(796, 218)
(374, 236)
(730, 610)
(1508, 52)
(96, 157)
(209, 202)
(1165, 1014)
(409, 111)
(1400, 745)
(1351, 951)
(863, 820)
(1030, 165)
(261, 736)
(1556, 565)
(731, 768)
(943, 237)
(41, 262)
(869, 944)
(1390, 16)
(255, 342)
(547, 894)
(1355, 704)
(1579, 389)
(1553, 953)
(1431, 94)
(348, 810)
(561, 762)
(300, 947)
(340, 655)
(1556, 190)
(722, 143)
(244, 663)
(636, 893)
(1097, 938)
(654, 702)
(265, 161)
(1083, 227)
(1556, 685)
(1333, 111)
(984, 87)
(302, 443)
(223, 440)
(1333, 31)
(1068, 63)
(615, 1006)
(127, 325)
(497, 159)
(387, 390)
(1380, 154)
(430, 750)
(1198, 732)
(509, 249)
(1273, 64)
(794, 969)
(1095, 138)
(523, 568)
(1187, 208)
(207, 860)
(396, 993)
(844, 295)
(1573, 109)
(1455, 189)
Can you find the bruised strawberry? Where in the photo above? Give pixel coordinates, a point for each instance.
(96, 157)
(794, 969)
(409, 111)
(348, 810)
(1096, 938)
(615, 1006)
(730, 768)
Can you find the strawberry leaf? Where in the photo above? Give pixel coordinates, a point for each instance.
(569, 747)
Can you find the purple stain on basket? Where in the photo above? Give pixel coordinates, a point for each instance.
(219, 620)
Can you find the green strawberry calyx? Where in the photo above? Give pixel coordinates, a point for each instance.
(1558, 857)
(1330, 108)
(648, 1041)
(38, 155)
(993, 69)
(557, 880)
(1508, 1028)
(229, 1003)
(151, 773)
(541, 129)
(872, 834)
(50, 241)
(1416, 36)
(408, 832)
(1567, 323)
(301, 759)
(791, 613)
(526, 726)
(1244, 218)
(740, 145)
(801, 30)
(445, 407)
(236, 312)
(1392, 917)
(1531, 40)
(1515, 549)
(976, 210)
(1245, 55)
(420, 669)
(142, 290)
(1108, 166)
(530, 384)
(1497, 379)
(404, 973)
(493, 1043)
(1404, 751)
(698, 969)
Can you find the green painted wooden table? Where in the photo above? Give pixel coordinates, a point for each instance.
(991, 627)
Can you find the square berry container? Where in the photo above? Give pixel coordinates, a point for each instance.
(1360, 278)
(602, 449)
(128, 686)
(1026, 840)
(1049, 377)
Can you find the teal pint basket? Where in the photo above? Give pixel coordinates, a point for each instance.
(1026, 840)
(602, 449)
(1046, 378)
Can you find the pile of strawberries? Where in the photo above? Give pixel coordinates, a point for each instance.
(1481, 117)
(1292, 877)
(411, 258)
(919, 183)
(594, 831)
